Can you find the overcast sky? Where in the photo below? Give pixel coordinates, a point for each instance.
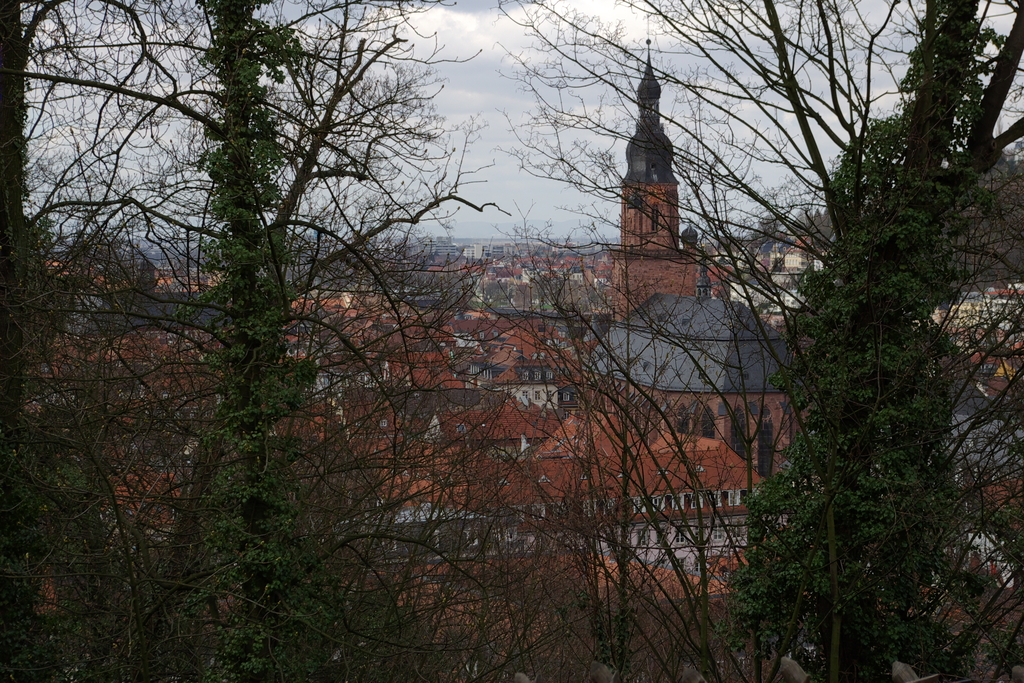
(484, 87)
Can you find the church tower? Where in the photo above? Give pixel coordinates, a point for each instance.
(652, 257)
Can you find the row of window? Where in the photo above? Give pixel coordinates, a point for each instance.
(647, 534)
(689, 501)
(539, 374)
(696, 500)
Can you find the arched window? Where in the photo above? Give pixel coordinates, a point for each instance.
(683, 420)
(739, 428)
(707, 424)
(765, 445)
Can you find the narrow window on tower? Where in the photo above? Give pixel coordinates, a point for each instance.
(655, 218)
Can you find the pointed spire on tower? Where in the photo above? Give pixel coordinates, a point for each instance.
(649, 152)
(649, 91)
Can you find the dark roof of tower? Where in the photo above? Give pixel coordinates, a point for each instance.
(649, 152)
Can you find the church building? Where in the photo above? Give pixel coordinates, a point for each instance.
(707, 362)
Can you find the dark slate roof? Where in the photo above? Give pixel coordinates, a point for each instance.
(115, 313)
(649, 152)
(685, 343)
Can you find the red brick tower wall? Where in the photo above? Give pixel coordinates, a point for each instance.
(651, 258)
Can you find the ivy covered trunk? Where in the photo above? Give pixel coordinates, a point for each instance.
(19, 510)
(262, 572)
(849, 565)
